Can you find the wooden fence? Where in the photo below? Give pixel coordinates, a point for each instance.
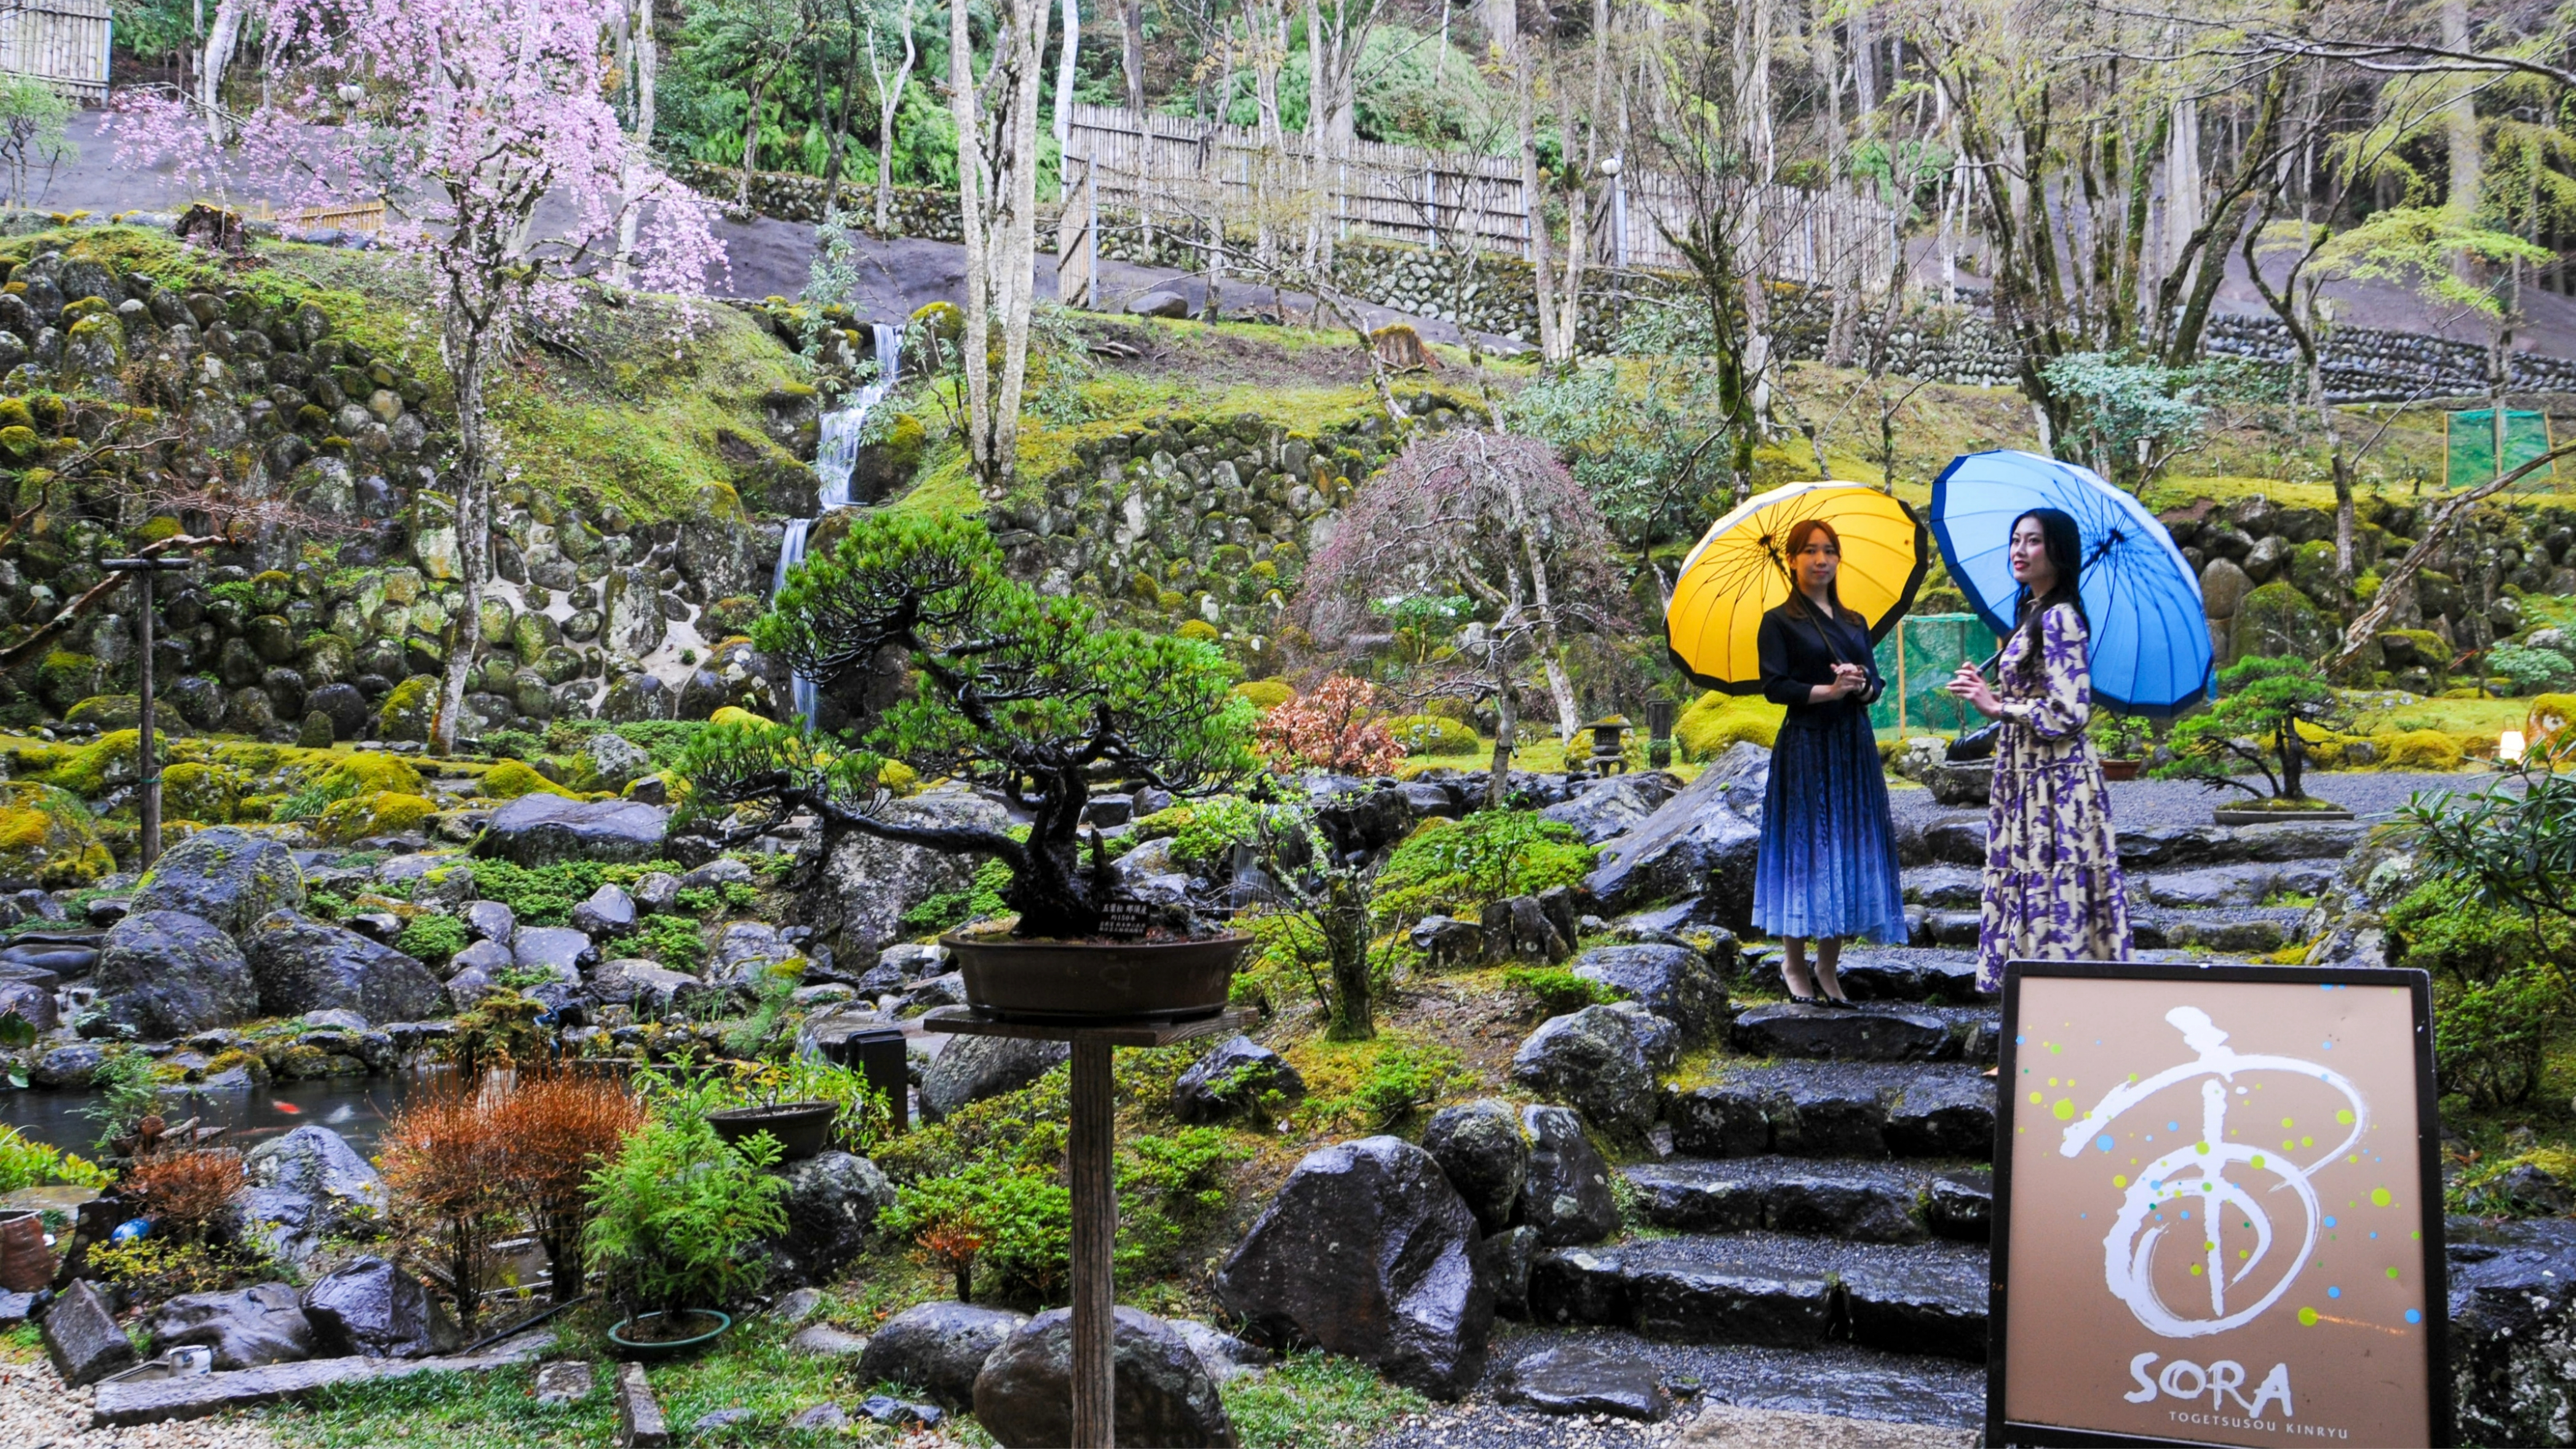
(1177, 172)
(61, 42)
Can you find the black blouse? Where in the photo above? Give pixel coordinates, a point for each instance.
(1799, 650)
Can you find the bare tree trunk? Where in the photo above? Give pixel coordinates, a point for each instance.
(965, 106)
(1533, 192)
(889, 100)
(1131, 15)
(465, 340)
(647, 66)
(1507, 717)
(220, 43)
(2460, 112)
(1064, 72)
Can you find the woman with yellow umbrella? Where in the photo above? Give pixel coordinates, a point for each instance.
(1827, 868)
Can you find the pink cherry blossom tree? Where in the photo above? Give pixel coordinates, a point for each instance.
(487, 129)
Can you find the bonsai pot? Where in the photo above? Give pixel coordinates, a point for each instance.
(692, 1329)
(2121, 769)
(1079, 981)
(803, 1129)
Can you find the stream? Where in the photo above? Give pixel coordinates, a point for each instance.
(834, 457)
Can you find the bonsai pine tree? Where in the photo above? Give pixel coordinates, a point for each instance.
(2254, 721)
(1030, 695)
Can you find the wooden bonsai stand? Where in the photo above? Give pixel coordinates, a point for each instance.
(1095, 1192)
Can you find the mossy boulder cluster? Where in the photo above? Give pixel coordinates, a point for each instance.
(1203, 525)
(2269, 583)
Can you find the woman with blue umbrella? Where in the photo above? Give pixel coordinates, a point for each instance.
(2097, 606)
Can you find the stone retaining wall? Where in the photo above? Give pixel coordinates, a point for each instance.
(1954, 345)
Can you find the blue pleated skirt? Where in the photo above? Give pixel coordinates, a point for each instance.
(1828, 862)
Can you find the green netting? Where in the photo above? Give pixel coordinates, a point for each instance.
(1917, 659)
(2470, 451)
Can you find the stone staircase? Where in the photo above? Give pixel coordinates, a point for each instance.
(1828, 1185)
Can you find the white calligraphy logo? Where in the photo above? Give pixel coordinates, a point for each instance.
(2193, 1172)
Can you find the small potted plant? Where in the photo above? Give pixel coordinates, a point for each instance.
(1027, 695)
(2121, 742)
(677, 1217)
(802, 1104)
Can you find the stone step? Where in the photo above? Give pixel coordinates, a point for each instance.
(1880, 973)
(1864, 1202)
(1773, 1289)
(1873, 1033)
(2238, 930)
(1836, 1110)
(2246, 883)
(1960, 839)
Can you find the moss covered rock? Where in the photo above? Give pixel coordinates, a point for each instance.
(104, 763)
(2419, 750)
(409, 709)
(65, 678)
(380, 812)
(111, 712)
(2278, 621)
(46, 838)
(227, 876)
(511, 779)
(1429, 734)
(200, 792)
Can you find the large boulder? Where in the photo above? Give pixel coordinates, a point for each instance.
(832, 1202)
(1701, 842)
(261, 1324)
(303, 1186)
(373, 1308)
(1238, 1076)
(1596, 1060)
(1161, 1395)
(535, 829)
(1674, 982)
(971, 1068)
(1479, 1146)
(1607, 809)
(303, 965)
(2513, 1331)
(169, 974)
(1370, 1253)
(82, 1339)
(868, 884)
(227, 876)
(938, 1348)
(1566, 1196)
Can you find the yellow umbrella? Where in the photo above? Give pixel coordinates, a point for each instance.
(1741, 569)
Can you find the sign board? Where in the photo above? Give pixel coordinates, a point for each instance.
(1125, 918)
(2218, 1211)
(2471, 447)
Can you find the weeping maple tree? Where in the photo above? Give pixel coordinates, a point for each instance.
(1030, 695)
(462, 117)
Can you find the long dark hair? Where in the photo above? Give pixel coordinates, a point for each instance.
(1800, 533)
(2065, 549)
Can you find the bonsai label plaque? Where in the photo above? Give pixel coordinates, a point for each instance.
(1125, 918)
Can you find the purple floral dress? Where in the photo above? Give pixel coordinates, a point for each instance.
(2053, 890)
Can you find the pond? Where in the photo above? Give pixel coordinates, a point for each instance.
(354, 1107)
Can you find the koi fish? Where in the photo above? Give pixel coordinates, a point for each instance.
(289, 1108)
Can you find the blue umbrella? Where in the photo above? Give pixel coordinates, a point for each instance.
(2150, 650)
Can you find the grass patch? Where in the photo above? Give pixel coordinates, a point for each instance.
(1312, 1400)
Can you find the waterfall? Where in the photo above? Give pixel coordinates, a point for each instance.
(835, 454)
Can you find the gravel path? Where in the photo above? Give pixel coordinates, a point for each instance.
(36, 1412)
(2159, 804)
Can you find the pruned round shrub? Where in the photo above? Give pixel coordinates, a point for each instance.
(1429, 734)
(2419, 750)
(1716, 721)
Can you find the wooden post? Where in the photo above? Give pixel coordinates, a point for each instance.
(148, 784)
(1089, 1150)
(1095, 1242)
